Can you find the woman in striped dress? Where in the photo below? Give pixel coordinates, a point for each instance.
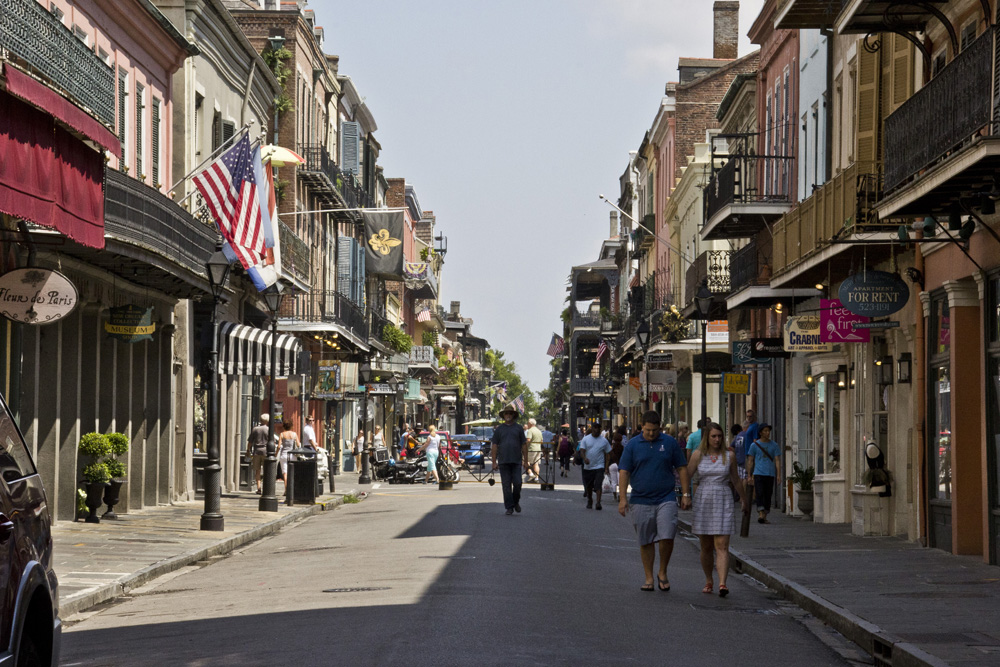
(713, 505)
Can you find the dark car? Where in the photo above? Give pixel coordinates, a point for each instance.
(469, 448)
(30, 628)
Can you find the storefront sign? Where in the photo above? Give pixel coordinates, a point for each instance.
(380, 389)
(768, 347)
(837, 324)
(130, 323)
(736, 383)
(743, 354)
(717, 331)
(36, 296)
(662, 381)
(802, 335)
(412, 390)
(874, 293)
(634, 383)
(877, 325)
(328, 377)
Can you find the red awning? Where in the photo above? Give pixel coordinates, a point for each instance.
(48, 100)
(48, 176)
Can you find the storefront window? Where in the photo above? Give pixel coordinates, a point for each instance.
(861, 428)
(942, 431)
(822, 387)
(805, 452)
(942, 327)
(832, 459)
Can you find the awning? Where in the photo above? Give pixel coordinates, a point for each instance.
(247, 351)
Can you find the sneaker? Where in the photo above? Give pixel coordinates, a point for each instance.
(517, 508)
(509, 512)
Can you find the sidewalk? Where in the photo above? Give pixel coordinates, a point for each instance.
(903, 603)
(98, 562)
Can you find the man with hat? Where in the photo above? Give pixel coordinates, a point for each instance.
(509, 451)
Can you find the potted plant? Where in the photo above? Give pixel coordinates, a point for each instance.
(95, 474)
(117, 446)
(804, 478)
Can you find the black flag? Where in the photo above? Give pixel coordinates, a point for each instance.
(384, 244)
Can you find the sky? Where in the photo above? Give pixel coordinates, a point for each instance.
(509, 119)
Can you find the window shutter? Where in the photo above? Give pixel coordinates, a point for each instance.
(902, 72)
(359, 274)
(156, 143)
(349, 158)
(868, 116)
(216, 131)
(139, 94)
(228, 130)
(345, 261)
(122, 99)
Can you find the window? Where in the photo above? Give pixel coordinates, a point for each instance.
(968, 34)
(81, 34)
(939, 399)
(139, 136)
(938, 62)
(104, 56)
(155, 139)
(58, 13)
(15, 462)
(122, 109)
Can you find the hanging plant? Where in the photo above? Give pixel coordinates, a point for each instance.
(275, 59)
(429, 338)
(673, 325)
(396, 339)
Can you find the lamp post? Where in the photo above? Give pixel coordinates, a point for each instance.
(218, 272)
(703, 302)
(268, 502)
(393, 383)
(365, 373)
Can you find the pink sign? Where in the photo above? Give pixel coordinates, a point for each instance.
(836, 324)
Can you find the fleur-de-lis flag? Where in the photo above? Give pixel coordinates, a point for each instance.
(384, 244)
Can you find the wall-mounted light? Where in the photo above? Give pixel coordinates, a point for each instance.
(883, 370)
(778, 307)
(851, 376)
(904, 368)
(842, 377)
(809, 379)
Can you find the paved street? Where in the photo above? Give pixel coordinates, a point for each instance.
(414, 575)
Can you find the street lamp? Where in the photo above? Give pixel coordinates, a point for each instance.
(268, 502)
(218, 272)
(365, 373)
(703, 302)
(393, 383)
(642, 334)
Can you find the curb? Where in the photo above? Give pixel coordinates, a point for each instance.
(884, 647)
(82, 601)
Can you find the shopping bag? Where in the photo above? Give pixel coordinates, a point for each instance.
(608, 486)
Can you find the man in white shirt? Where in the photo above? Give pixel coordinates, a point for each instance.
(309, 434)
(594, 447)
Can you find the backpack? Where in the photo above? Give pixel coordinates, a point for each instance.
(739, 445)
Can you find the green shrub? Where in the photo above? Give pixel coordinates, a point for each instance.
(116, 469)
(97, 473)
(396, 339)
(802, 476)
(351, 499)
(429, 338)
(95, 445)
(117, 443)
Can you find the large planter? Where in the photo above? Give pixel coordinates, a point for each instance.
(95, 496)
(806, 501)
(111, 494)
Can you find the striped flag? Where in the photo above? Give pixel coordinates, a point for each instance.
(229, 187)
(424, 315)
(557, 346)
(601, 350)
(518, 403)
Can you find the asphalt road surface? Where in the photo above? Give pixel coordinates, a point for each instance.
(417, 576)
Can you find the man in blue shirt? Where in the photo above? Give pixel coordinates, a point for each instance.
(649, 463)
(763, 469)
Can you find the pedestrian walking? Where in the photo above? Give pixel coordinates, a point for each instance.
(617, 447)
(257, 446)
(309, 434)
(565, 453)
(763, 468)
(287, 441)
(694, 440)
(683, 430)
(595, 448)
(649, 463)
(377, 439)
(534, 437)
(403, 438)
(739, 447)
(359, 446)
(713, 521)
(432, 448)
(508, 451)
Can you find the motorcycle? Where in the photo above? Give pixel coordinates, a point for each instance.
(409, 470)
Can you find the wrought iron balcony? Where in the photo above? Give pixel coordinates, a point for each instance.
(295, 259)
(642, 238)
(587, 385)
(322, 173)
(747, 192)
(951, 111)
(39, 40)
(586, 320)
(376, 327)
(326, 307)
(711, 265)
(748, 267)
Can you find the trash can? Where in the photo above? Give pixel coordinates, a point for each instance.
(301, 487)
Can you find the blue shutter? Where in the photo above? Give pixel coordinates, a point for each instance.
(345, 261)
(350, 160)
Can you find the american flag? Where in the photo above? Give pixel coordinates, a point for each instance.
(557, 346)
(230, 191)
(424, 315)
(601, 350)
(518, 403)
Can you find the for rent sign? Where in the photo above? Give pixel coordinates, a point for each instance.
(874, 293)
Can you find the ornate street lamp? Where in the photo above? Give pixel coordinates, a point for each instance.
(268, 502)
(703, 303)
(393, 383)
(642, 334)
(218, 272)
(365, 374)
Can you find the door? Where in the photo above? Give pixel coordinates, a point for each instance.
(939, 480)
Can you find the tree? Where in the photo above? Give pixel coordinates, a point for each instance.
(506, 371)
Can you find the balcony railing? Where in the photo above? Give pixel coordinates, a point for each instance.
(586, 320)
(136, 213)
(41, 41)
(331, 178)
(841, 207)
(750, 179)
(326, 306)
(587, 385)
(951, 110)
(712, 265)
(295, 260)
(749, 266)
(376, 327)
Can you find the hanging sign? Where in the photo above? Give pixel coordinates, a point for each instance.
(327, 380)
(36, 296)
(717, 331)
(882, 324)
(768, 347)
(874, 293)
(839, 325)
(743, 354)
(130, 324)
(736, 383)
(802, 335)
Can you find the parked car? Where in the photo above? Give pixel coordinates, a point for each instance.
(482, 432)
(29, 617)
(469, 448)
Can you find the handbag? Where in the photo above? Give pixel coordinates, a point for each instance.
(578, 458)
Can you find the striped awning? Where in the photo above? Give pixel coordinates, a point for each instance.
(247, 351)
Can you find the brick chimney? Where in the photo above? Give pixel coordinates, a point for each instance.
(456, 308)
(614, 224)
(727, 29)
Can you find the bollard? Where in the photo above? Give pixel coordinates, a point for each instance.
(445, 486)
